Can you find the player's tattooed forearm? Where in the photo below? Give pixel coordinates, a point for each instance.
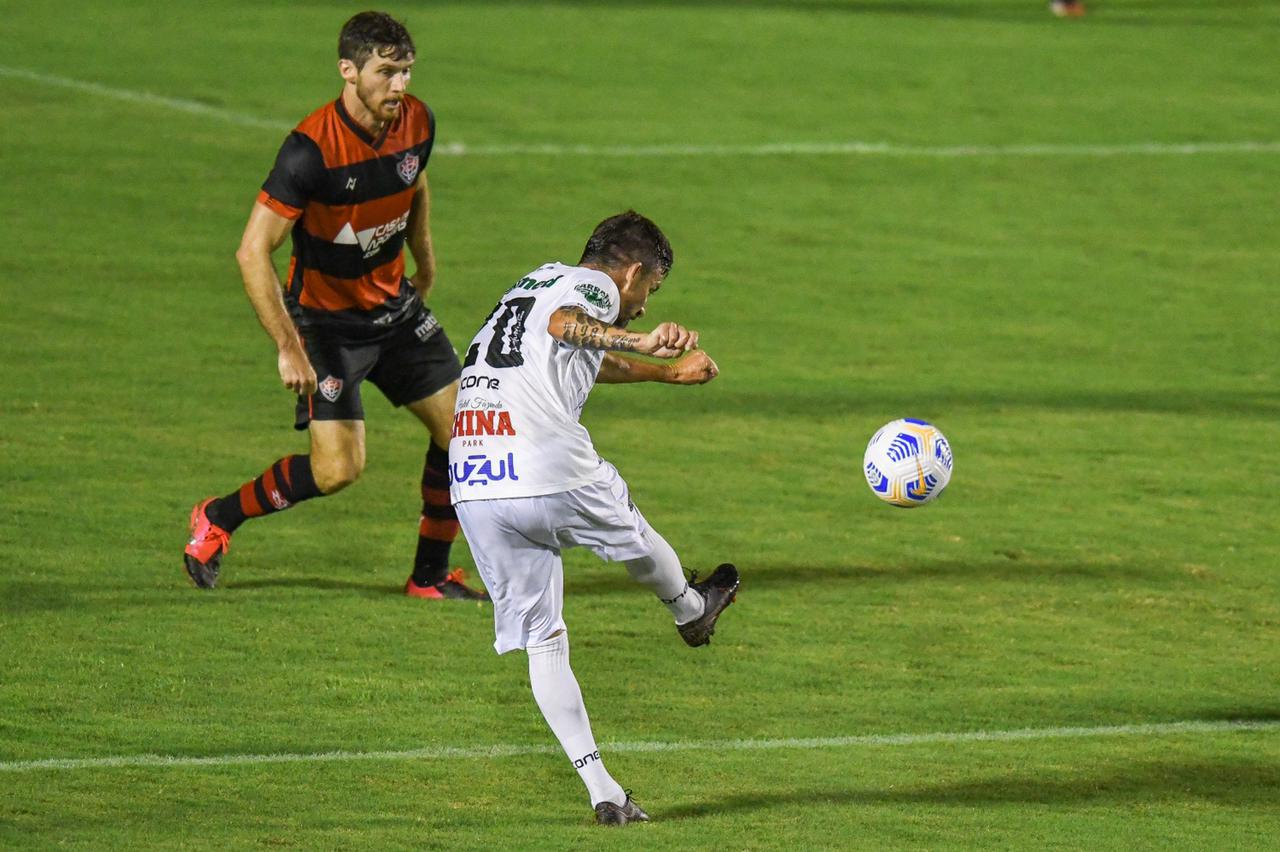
(587, 332)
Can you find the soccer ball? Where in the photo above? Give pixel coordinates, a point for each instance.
(907, 463)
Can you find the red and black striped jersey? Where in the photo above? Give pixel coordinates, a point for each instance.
(351, 195)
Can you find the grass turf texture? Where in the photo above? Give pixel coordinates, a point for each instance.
(1094, 335)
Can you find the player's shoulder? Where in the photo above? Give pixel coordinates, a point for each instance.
(321, 123)
(589, 288)
(300, 155)
(585, 278)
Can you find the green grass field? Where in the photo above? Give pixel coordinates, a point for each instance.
(1093, 329)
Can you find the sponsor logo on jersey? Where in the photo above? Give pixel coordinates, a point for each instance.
(408, 168)
(372, 239)
(595, 295)
(534, 283)
(478, 381)
(330, 388)
(429, 326)
(482, 470)
(470, 423)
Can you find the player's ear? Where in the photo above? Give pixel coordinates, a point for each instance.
(348, 70)
(632, 274)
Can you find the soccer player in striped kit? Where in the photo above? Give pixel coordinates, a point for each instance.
(350, 186)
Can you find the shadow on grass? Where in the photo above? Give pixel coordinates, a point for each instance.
(1000, 568)
(325, 584)
(23, 596)
(1222, 782)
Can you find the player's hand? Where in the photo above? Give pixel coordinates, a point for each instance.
(696, 368)
(668, 340)
(296, 371)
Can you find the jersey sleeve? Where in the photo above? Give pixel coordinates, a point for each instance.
(295, 177)
(597, 295)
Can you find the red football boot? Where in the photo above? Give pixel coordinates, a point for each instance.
(203, 554)
(450, 588)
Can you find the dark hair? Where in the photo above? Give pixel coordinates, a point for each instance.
(374, 32)
(628, 238)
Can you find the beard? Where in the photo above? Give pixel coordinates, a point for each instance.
(377, 108)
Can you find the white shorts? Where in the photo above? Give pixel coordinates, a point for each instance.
(516, 543)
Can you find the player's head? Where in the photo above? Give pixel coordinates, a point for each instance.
(634, 252)
(375, 55)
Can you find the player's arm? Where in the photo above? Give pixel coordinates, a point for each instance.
(695, 368)
(418, 238)
(575, 327)
(265, 233)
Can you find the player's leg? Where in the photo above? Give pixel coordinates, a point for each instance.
(419, 370)
(696, 606)
(514, 545)
(438, 525)
(608, 522)
(335, 416)
(558, 696)
(661, 573)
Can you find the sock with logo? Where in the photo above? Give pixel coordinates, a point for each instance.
(660, 571)
(438, 526)
(285, 484)
(560, 700)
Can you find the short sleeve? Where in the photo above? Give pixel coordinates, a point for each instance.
(597, 295)
(295, 177)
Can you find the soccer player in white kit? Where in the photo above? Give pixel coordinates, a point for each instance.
(527, 481)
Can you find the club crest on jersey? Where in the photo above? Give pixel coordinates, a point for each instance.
(408, 168)
(330, 388)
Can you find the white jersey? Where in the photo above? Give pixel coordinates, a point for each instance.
(515, 430)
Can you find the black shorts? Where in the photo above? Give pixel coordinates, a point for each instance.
(411, 363)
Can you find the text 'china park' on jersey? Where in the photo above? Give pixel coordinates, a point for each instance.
(351, 195)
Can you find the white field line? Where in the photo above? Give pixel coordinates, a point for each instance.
(866, 149)
(509, 750)
(147, 98)
(800, 149)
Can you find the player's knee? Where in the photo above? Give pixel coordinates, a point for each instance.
(336, 474)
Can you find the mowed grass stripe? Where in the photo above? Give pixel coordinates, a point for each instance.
(768, 149)
(501, 750)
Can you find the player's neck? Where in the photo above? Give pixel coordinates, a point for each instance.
(360, 113)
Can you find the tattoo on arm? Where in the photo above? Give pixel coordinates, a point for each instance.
(587, 332)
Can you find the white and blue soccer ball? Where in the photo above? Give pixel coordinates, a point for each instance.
(907, 463)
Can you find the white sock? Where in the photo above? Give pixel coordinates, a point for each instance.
(560, 700)
(661, 572)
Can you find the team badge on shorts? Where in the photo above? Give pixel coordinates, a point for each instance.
(408, 168)
(330, 388)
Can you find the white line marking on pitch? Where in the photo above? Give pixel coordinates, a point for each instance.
(803, 149)
(138, 97)
(472, 752)
(883, 149)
